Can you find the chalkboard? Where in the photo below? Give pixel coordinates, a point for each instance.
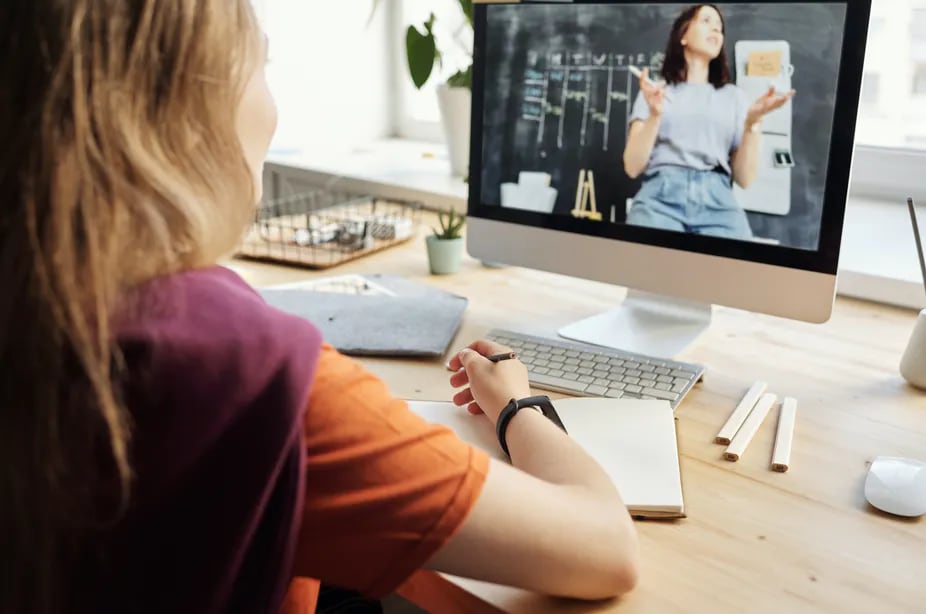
(558, 93)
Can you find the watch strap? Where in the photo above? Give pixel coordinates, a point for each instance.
(542, 402)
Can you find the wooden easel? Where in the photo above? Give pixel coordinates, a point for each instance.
(585, 196)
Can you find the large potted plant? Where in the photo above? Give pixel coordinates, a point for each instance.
(454, 96)
(445, 246)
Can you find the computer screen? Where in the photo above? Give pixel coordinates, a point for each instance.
(722, 130)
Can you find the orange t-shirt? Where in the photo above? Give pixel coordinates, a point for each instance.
(384, 489)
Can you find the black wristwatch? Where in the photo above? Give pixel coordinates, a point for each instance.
(541, 402)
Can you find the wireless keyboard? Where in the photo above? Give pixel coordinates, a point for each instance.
(575, 368)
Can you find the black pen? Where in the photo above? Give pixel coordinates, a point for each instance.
(502, 356)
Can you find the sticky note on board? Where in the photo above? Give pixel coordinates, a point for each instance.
(763, 64)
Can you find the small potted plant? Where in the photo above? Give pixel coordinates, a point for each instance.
(445, 246)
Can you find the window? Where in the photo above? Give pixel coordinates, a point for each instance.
(888, 163)
(875, 26)
(919, 78)
(870, 89)
(419, 116)
(918, 23)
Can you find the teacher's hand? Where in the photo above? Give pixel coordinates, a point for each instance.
(766, 103)
(653, 94)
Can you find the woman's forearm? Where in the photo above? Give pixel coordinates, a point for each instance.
(746, 158)
(640, 143)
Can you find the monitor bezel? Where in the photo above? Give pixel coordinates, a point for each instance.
(825, 259)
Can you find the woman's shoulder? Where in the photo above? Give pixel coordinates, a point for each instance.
(211, 320)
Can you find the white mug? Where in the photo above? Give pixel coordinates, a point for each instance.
(913, 363)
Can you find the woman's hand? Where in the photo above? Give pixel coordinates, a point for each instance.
(653, 94)
(764, 104)
(491, 384)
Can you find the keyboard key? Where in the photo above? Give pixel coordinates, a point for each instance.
(617, 371)
(572, 353)
(663, 386)
(660, 394)
(631, 395)
(546, 380)
(540, 370)
(633, 373)
(600, 373)
(616, 362)
(601, 358)
(647, 383)
(570, 368)
(662, 371)
(595, 389)
(571, 376)
(571, 361)
(586, 379)
(561, 351)
(664, 378)
(584, 371)
(603, 382)
(647, 368)
(555, 372)
(683, 373)
(542, 362)
(632, 380)
(632, 388)
(614, 393)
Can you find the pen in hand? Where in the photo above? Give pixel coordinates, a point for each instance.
(493, 358)
(502, 356)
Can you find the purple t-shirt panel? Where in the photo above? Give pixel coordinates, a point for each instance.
(217, 384)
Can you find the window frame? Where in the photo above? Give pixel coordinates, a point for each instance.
(888, 173)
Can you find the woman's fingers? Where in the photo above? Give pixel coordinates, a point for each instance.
(474, 409)
(460, 378)
(463, 397)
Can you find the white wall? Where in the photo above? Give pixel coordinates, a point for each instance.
(329, 72)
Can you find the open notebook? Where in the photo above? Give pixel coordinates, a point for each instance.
(633, 440)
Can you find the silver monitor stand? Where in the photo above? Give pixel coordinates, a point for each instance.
(644, 323)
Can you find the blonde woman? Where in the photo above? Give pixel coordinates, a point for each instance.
(168, 442)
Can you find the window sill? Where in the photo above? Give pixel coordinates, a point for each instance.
(878, 259)
(394, 168)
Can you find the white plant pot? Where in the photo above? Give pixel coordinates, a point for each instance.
(455, 103)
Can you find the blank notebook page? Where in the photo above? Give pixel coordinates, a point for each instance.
(633, 440)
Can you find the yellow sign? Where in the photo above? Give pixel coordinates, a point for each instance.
(763, 64)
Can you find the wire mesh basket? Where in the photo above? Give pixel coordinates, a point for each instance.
(321, 228)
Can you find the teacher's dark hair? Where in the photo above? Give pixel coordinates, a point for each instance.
(674, 67)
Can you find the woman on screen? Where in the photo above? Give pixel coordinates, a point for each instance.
(692, 136)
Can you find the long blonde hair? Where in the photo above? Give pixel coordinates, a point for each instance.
(119, 162)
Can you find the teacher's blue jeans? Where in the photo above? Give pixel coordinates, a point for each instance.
(688, 200)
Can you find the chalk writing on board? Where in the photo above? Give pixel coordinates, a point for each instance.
(583, 88)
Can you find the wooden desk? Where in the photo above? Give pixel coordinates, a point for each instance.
(755, 540)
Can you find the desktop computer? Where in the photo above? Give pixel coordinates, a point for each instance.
(695, 154)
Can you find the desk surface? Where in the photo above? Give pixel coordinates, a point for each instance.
(754, 540)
